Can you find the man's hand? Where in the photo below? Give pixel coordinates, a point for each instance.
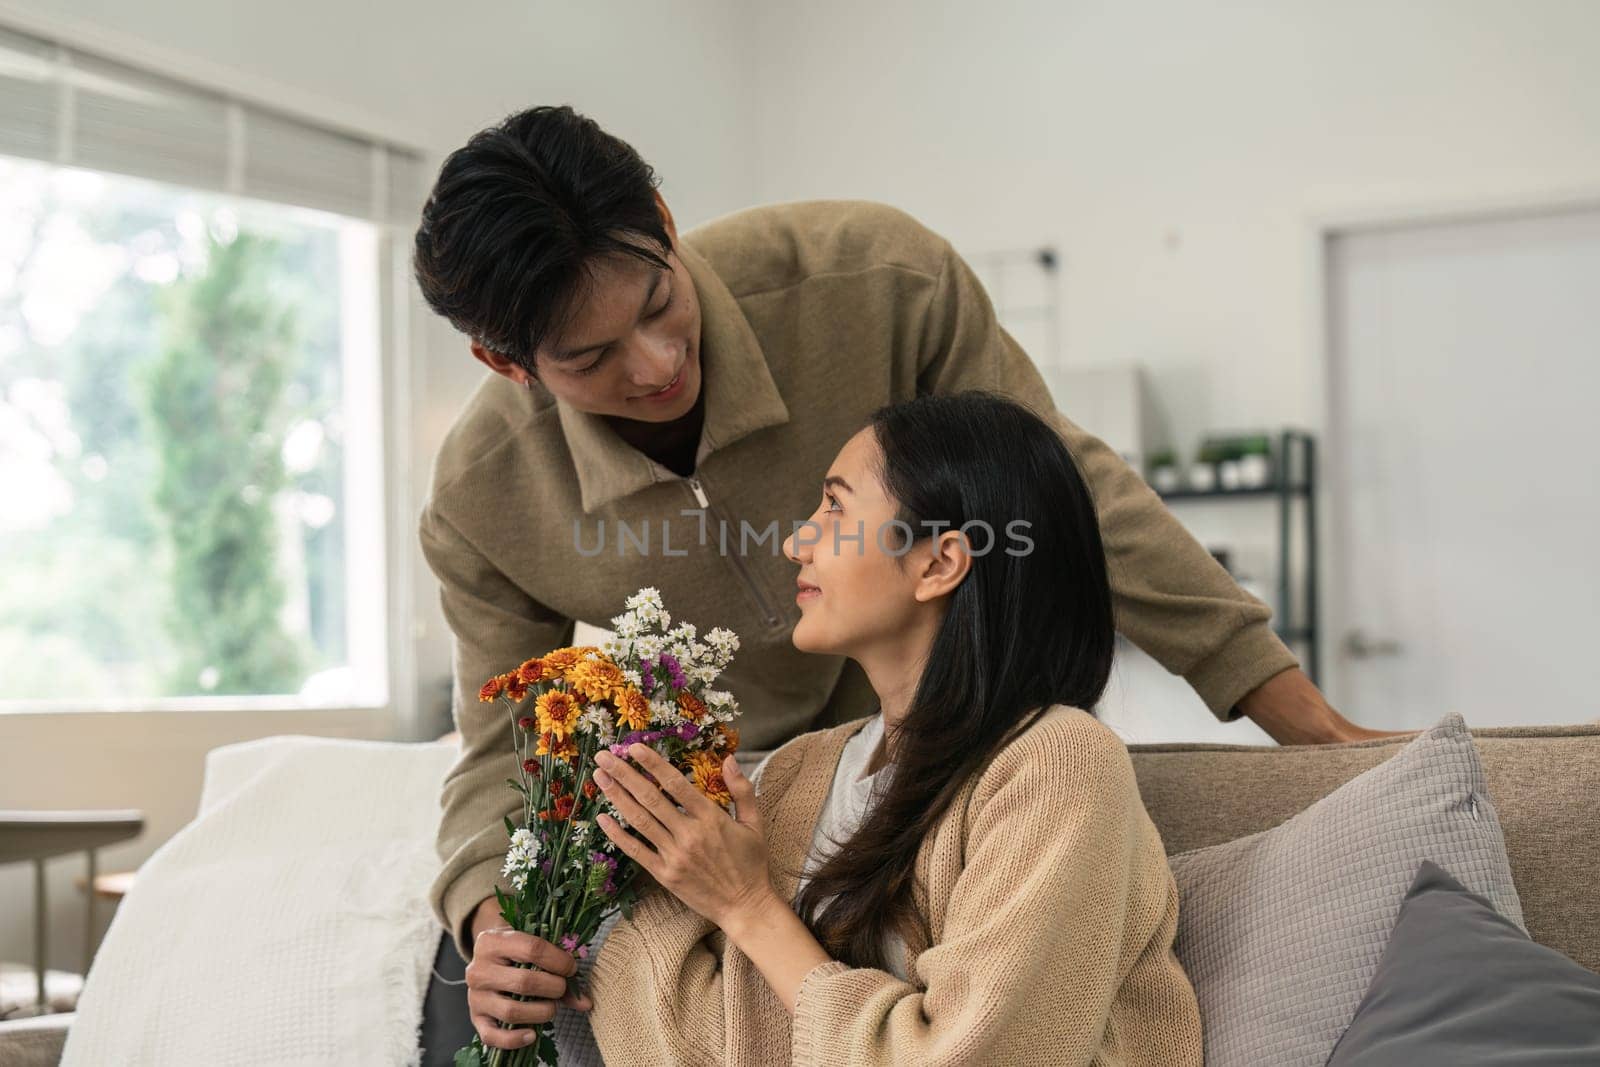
(1293, 711)
(496, 984)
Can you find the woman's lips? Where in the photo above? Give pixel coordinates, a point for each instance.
(806, 592)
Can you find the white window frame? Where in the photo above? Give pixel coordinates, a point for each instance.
(400, 317)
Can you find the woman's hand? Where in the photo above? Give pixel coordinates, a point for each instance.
(715, 864)
(492, 978)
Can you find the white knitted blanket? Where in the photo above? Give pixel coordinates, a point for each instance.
(287, 924)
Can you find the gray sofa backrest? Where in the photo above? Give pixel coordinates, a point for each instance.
(1544, 782)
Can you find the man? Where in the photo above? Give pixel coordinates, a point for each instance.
(697, 388)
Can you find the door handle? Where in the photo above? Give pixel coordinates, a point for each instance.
(1358, 645)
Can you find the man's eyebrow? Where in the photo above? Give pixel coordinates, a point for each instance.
(576, 353)
(834, 479)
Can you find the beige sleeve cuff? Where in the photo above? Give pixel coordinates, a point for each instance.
(1250, 657)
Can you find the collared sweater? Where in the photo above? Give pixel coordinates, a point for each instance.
(1052, 911)
(813, 314)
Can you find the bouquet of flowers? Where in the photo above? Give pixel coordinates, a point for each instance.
(649, 683)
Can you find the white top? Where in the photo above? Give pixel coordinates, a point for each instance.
(850, 797)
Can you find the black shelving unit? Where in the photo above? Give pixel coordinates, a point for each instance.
(1295, 477)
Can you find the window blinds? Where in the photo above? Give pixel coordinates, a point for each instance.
(65, 106)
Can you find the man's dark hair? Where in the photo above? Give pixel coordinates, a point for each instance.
(518, 215)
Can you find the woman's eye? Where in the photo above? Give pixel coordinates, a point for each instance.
(662, 310)
(591, 368)
(833, 501)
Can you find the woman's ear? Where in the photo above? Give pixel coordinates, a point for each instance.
(942, 565)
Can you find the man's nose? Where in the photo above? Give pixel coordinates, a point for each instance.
(652, 362)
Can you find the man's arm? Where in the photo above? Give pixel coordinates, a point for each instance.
(1171, 597)
(495, 626)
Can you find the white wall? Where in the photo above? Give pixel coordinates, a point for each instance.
(671, 80)
(1175, 152)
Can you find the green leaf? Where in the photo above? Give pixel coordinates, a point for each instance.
(469, 1056)
(510, 830)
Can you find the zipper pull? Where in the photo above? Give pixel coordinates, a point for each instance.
(699, 494)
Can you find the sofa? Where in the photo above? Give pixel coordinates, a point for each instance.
(1543, 780)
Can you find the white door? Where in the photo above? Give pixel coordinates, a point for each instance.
(1464, 511)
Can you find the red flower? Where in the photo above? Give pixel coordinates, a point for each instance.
(525, 723)
(491, 688)
(563, 807)
(556, 787)
(590, 789)
(531, 766)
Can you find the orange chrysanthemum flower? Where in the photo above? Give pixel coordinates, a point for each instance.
(516, 688)
(532, 672)
(557, 712)
(727, 739)
(492, 688)
(560, 812)
(707, 770)
(691, 706)
(633, 709)
(559, 747)
(597, 679)
(561, 660)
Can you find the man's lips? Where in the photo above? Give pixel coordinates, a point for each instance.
(666, 387)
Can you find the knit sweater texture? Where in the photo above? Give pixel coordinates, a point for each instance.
(1052, 911)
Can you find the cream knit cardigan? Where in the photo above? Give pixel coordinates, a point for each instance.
(1052, 908)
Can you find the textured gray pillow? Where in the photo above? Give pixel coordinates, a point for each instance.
(1460, 985)
(1281, 931)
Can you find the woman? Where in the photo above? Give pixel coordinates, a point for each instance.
(986, 885)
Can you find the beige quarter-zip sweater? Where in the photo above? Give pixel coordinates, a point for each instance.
(813, 314)
(1052, 911)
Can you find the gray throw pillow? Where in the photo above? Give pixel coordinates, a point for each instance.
(1280, 931)
(1460, 985)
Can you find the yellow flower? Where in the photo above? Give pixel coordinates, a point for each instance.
(561, 748)
(633, 709)
(558, 713)
(597, 679)
(707, 770)
(562, 659)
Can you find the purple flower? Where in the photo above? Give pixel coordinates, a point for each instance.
(688, 731)
(679, 680)
(545, 866)
(601, 857)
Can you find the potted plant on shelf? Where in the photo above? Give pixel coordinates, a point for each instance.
(1164, 476)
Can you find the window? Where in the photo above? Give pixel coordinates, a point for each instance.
(192, 300)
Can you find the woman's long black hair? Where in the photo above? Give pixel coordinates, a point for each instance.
(1028, 627)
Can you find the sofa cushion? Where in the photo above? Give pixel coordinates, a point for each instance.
(1281, 931)
(1545, 781)
(1461, 984)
